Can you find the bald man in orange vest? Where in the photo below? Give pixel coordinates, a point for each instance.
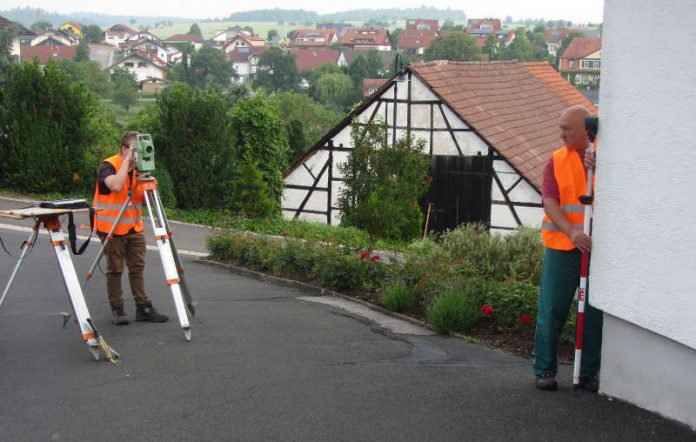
(565, 180)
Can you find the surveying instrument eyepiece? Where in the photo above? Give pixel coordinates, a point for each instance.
(144, 155)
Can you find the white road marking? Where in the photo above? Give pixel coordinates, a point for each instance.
(94, 239)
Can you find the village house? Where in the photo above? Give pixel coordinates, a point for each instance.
(245, 59)
(243, 41)
(489, 127)
(366, 38)
(117, 35)
(143, 65)
(22, 34)
(581, 62)
(44, 53)
(72, 28)
(313, 38)
(196, 41)
(417, 36)
(307, 59)
(140, 35)
(372, 85)
(348, 56)
(152, 85)
(554, 38)
(222, 37)
(146, 46)
(54, 37)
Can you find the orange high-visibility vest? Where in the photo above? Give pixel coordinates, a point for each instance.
(108, 206)
(572, 183)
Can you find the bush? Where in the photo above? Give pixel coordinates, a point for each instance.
(340, 272)
(453, 311)
(398, 296)
(510, 300)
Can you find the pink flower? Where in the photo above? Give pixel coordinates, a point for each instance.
(374, 258)
(487, 310)
(525, 318)
(363, 255)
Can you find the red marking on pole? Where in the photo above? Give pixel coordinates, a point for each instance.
(580, 327)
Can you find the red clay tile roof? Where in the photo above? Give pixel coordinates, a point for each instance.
(370, 85)
(514, 106)
(581, 47)
(307, 59)
(366, 36)
(306, 37)
(120, 28)
(414, 39)
(186, 37)
(555, 35)
(45, 52)
(474, 24)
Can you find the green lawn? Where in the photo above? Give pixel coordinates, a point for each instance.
(210, 29)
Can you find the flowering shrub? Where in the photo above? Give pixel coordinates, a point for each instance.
(453, 311)
(487, 310)
(397, 296)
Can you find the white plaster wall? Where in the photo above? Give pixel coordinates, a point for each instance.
(644, 259)
(644, 243)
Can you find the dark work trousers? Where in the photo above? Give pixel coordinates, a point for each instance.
(559, 280)
(126, 249)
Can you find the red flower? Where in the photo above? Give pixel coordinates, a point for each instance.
(363, 255)
(284, 233)
(487, 310)
(374, 258)
(525, 318)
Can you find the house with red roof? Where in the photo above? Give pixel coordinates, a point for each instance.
(417, 36)
(118, 34)
(179, 39)
(143, 65)
(307, 59)
(45, 52)
(313, 38)
(481, 27)
(554, 37)
(372, 85)
(146, 46)
(489, 127)
(244, 41)
(22, 35)
(581, 62)
(366, 38)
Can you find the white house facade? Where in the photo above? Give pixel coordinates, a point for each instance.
(644, 243)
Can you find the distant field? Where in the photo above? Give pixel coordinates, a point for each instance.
(210, 29)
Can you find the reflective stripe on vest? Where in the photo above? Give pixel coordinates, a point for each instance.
(572, 183)
(109, 206)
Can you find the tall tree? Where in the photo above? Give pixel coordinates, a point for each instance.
(7, 59)
(276, 71)
(92, 33)
(46, 129)
(90, 73)
(193, 144)
(209, 67)
(82, 51)
(195, 30)
(457, 46)
(259, 137)
(336, 89)
(520, 48)
(124, 85)
(491, 47)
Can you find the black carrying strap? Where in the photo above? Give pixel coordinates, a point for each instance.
(72, 234)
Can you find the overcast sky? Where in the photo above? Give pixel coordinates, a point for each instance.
(577, 11)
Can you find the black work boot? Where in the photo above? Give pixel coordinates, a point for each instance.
(590, 383)
(118, 316)
(546, 381)
(146, 312)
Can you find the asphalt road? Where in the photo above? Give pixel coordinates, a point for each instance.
(267, 363)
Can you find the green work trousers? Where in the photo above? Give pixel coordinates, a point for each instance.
(559, 280)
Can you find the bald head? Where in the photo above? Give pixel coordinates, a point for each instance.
(572, 125)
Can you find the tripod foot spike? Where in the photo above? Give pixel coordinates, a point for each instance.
(94, 349)
(187, 333)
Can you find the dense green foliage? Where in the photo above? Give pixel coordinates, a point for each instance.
(453, 310)
(193, 144)
(124, 85)
(207, 68)
(457, 46)
(383, 183)
(276, 71)
(46, 123)
(89, 72)
(259, 136)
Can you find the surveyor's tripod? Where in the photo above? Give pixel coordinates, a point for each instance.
(50, 219)
(173, 270)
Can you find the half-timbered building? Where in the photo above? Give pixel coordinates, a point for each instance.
(489, 126)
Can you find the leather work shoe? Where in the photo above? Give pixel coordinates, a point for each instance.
(546, 381)
(590, 383)
(146, 312)
(118, 316)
